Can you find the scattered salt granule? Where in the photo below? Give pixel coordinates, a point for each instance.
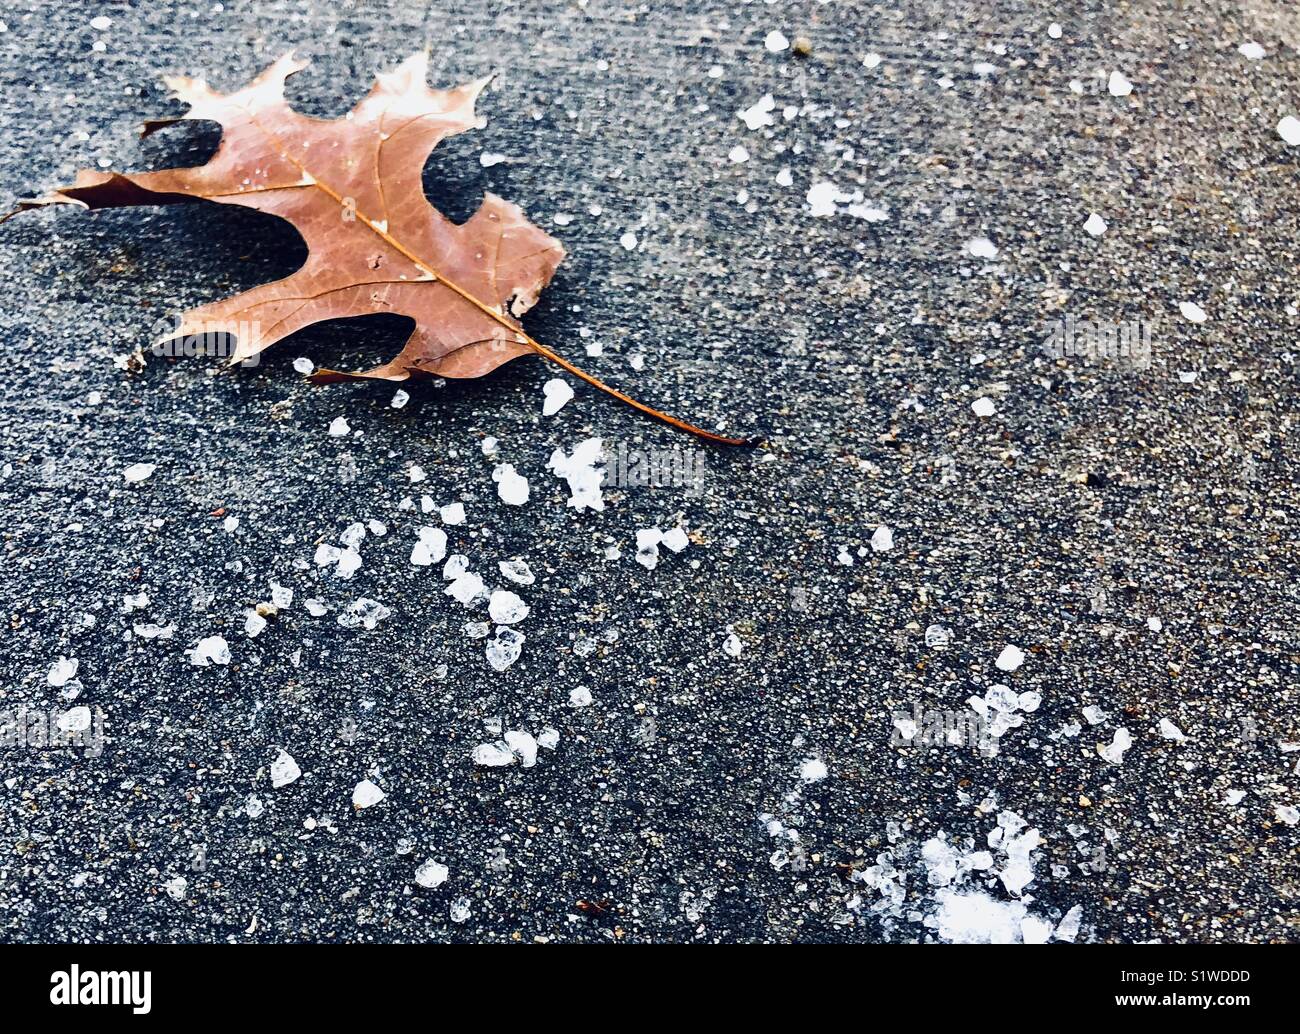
(548, 738)
(452, 513)
(984, 68)
(675, 539)
(738, 154)
(524, 746)
(316, 608)
(400, 398)
(212, 650)
(580, 471)
(1155, 624)
(512, 487)
(785, 178)
(759, 114)
(871, 60)
(75, 719)
(62, 671)
(882, 538)
(776, 42)
(490, 158)
(972, 917)
(505, 608)
(983, 406)
(230, 523)
(431, 874)
(467, 588)
(628, 240)
(982, 247)
(580, 697)
(504, 650)
(303, 365)
(824, 196)
(366, 794)
(1094, 714)
(1252, 52)
(1118, 85)
(1054, 30)
(557, 392)
(1068, 928)
(364, 613)
(516, 571)
(1289, 130)
(284, 770)
(416, 473)
(430, 546)
(1010, 658)
(1192, 311)
(937, 637)
(647, 547)
(1095, 225)
(254, 623)
(1170, 731)
(493, 755)
(137, 472)
(339, 427)
(100, 22)
(1114, 753)
(1235, 797)
(732, 646)
(1286, 813)
(349, 562)
(813, 770)
(457, 564)
(176, 888)
(153, 630)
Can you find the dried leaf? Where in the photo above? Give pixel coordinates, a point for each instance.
(352, 189)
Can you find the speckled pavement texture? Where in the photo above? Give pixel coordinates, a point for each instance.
(738, 774)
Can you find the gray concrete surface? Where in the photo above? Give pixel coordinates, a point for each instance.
(1097, 497)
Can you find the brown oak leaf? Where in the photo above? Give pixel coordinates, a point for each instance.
(352, 188)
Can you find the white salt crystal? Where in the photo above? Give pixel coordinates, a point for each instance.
(512, 487)
(137, 472)
(1289, 130)
(1010, 658)
(431, 874)
(675, 539)
(813, 770)
(366, 794)
(303, 365)
(430, 546)
(1170, 731)
(400, 398)
(557, 392)
(776, 42)
(1095, 225)
(504, 650)
(1114, 753)
(732, 646)
(452, 513)
(982, 247)
(339, 427)
(1118, 85)
(62, 671)
(284, 770)
(505, 608)
(759, 114)
(516, 571)
(1192, 311)
(580, 697)
(882, 539)
(212, 650)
